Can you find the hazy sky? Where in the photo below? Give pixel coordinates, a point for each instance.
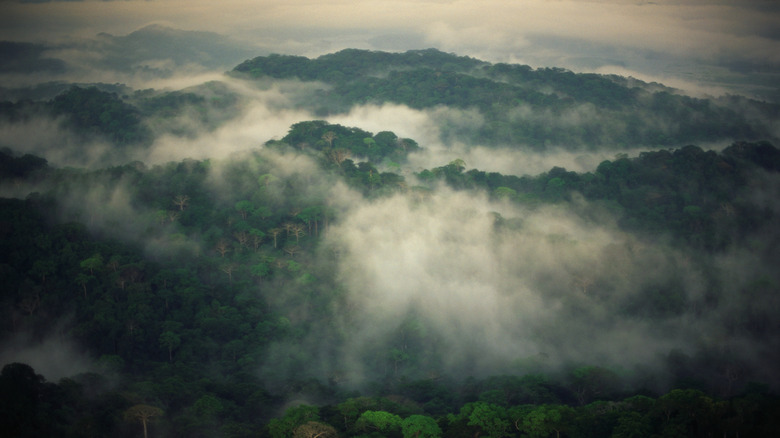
(685, 43)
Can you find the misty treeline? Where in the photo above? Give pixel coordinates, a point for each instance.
(317, 284)
(100, 113)
(473, 102)
(693, 196)
(138, 54)
(516, 104)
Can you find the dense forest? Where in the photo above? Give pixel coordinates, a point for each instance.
(317, 285)
(519, 105)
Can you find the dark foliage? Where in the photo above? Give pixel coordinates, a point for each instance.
(693, 195)
(521, 106)
(181, 311)
(21, 57)
(185, 337)
(91, 111)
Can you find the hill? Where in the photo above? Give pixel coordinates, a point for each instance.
(521, 106)
(194, 275)
(209, 289)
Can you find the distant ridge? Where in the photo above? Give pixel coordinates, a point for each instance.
(543, 107)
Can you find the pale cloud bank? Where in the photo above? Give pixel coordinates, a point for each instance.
(674, 39)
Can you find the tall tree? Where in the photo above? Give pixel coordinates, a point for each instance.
(420, 426)
(315, 429)
(329, 136)
(379, 421)
(143, 414)
(274, 233)
(181, 201)
(170, 341)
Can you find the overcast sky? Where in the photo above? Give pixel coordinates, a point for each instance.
(683, 43)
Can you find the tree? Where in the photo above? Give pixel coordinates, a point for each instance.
(161, 216)
(293, 417)
(83, 279)
(207, 407)
(92, 263)
(243, 238)
(274, 233)
(315, 429)
(420, 426)
(170, 340)
(489, 418)
(260, 270)
(351, 409)
(244, 208)
(543, 421)
(113, 263)
(381, 421)
(222, 247)
(688, 412)
(517, 415)
(592, 381)
(267, 179)
(43, 267)
(143, 414)
(369, 142)
(229, 269)
(397, 357)
(338, 156)
(505, 193)
(256, 237)
(458, 164)
(406, 144)
(296, 229)
(311, 216)
(329, 136)
(555, 189)
(632, 425)
(262, 212)
(292, 250)
(181, 201)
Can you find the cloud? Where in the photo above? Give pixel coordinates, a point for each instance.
(486, 299)
(454, 284)
(696, 89)
(439, 282)
(486, 293)
(513, 161)
(54, 357)
(667, 38)
(265, 113)
(45, 137)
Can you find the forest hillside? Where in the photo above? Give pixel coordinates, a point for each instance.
(380, 244)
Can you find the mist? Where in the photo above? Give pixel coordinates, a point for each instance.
(454, 284)
(266, 109)
(444, 134)
(393, 277)
(55, 357)
(717, 46)
(264, 113)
